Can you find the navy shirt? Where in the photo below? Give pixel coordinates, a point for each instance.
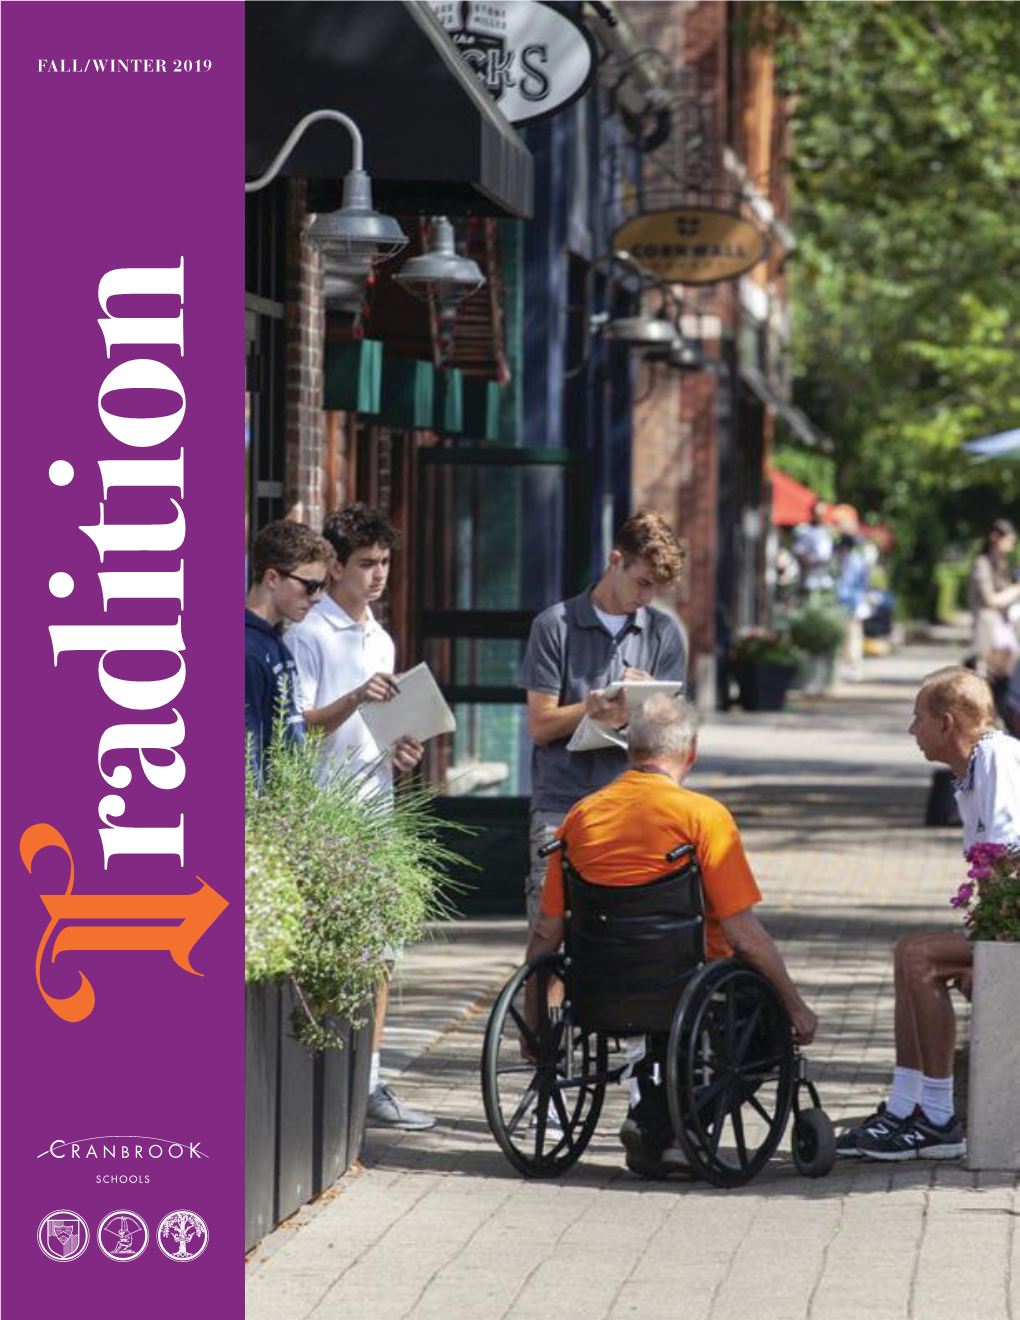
(569, 654)
(269, 682)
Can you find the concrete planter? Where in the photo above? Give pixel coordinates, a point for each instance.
(993, 1114)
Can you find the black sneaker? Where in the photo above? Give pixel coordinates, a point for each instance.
(918, 1138)
(879, 1122)
(643, 1158)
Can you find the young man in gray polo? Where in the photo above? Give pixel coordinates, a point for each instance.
(578, 647)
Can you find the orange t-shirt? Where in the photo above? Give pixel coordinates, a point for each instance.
(621, 835)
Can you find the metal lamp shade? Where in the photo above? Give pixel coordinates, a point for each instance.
(357, 232)
(440, 273)
(642, 331)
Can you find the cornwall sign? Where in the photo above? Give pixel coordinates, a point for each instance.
(692, 244)
(532, 59)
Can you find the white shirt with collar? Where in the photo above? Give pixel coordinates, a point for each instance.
(334, 655)
(988, 792)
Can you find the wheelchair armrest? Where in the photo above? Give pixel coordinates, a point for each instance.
(547, 849)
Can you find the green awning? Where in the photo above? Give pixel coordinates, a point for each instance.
(352, 376)
(408, 392)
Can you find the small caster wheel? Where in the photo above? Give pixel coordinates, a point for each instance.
(813, 1143)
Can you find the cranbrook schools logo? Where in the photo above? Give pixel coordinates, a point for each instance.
(185, 1233)
(122, 1235)
(63, 1235)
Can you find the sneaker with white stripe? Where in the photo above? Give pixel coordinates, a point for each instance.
(918, 1138)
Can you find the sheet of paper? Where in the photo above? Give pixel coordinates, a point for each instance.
(420, 711)
(591, 736)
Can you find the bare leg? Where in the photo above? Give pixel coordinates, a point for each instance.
(925, 966)
(382, 1000)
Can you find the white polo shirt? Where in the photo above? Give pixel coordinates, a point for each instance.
(334, 655)
(988, 792)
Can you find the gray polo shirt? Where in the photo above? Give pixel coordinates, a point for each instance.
(569, 653)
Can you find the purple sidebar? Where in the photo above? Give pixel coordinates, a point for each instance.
(123, 1094)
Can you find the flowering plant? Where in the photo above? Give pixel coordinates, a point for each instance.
(990, 896)
(762, 646)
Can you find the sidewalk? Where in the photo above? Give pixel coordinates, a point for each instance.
(436, 1226)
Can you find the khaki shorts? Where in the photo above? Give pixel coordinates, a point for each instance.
(544, 825)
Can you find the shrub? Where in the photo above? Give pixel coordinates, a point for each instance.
(272, 906)
(763, 647)
(817, 629)
(368, 867)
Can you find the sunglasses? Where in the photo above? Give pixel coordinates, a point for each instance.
(311, 585)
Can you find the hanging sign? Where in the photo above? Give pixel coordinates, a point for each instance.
(532, 59)
(692, 244)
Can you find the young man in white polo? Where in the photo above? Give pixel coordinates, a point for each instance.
(344, 659)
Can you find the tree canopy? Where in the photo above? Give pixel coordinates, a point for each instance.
(906, 278)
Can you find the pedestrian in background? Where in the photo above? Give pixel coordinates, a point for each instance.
(991, 592)
(852, 581)
(812, 544)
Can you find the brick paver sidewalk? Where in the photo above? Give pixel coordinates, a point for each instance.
(830, 799)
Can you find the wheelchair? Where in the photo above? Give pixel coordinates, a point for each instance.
(633, 964)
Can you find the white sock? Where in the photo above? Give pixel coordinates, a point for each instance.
(905, 1093)
(373, 1076)
(937, 1099)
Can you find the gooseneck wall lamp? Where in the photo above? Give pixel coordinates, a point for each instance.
(442, 278)
(356, 234)
(440, 273)
(652, 333)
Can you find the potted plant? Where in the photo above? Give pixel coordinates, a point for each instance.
(337, 875)
(990, 902)
(817, 630)
(764, 665)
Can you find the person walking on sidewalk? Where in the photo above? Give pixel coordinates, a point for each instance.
(620, 836)
(346, 658)
(954, 724)
(575, 649)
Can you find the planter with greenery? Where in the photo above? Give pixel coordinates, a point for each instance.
(337, 875)
(817, 631)
(764, 665)
(990, 902)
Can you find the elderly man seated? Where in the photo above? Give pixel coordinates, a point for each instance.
(954, 725)
(620, 836)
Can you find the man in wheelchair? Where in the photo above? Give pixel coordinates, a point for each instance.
(620, 836)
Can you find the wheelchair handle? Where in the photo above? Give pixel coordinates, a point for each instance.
(547, 849)
(676, 853)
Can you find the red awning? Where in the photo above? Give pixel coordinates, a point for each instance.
(791, 502)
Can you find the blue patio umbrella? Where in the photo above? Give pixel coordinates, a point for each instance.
(1004, 445)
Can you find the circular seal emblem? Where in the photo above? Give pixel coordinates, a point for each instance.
(182, 1235)
(122, 1235)
(62, 1235)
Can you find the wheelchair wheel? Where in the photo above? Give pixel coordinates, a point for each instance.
(813, 1143)
(729, 1072)
(542, 1110)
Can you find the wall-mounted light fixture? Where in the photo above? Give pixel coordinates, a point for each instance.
(440, 274)
(356, 236)
(442, 278)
